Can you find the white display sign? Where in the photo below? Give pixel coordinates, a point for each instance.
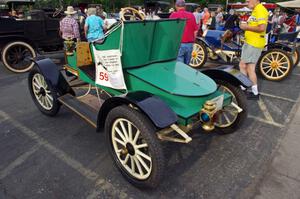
(109, 71)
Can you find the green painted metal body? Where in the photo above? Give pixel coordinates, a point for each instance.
(149, 64)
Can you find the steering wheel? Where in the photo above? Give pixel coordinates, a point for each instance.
(130, 14)
(57, 11)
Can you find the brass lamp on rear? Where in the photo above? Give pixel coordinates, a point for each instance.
(206, 115)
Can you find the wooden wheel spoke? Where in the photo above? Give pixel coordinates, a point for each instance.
(269, 70)
(124, 130)
(138, 165)
(143, 155)
(120, 141)
(137, 134)
(146, 167)
(272, 73)
(280, 70)
(120, 133)
(132, 163)
(276, 71)
(144, 145)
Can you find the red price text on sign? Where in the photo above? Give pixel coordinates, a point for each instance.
(103, 76)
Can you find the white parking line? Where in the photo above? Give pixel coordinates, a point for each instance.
(265, 121)
(87, 173)
(17, 162)
(277, 97)
(265, 111)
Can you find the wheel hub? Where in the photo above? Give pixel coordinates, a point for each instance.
(130, 149)
(274, 65)
(42, 91)
(194, 54)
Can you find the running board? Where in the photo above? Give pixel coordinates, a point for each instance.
(80, 108)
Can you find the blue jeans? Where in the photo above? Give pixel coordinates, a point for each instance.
(185, 53)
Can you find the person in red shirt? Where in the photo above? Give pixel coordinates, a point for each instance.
(189, 33)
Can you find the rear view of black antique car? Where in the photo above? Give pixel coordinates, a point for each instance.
(22, 36)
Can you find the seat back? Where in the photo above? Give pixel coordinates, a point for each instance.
(146, 42)
(213, 37)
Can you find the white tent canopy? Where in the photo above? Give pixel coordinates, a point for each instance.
(244, 9)
(290, 4)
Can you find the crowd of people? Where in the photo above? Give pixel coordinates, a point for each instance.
(88, 25)
(255, 25)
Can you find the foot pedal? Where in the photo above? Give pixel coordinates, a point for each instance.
(80, 108)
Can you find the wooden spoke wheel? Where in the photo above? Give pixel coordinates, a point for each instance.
(199, 55)
(275, 64)
(42, 94)
(134, 146)
(16, 55)
(229, 119)
(130, 14)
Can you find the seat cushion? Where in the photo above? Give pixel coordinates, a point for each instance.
(176, 78)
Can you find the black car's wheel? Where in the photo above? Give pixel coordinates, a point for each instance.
(275, 64)
(42, 94)
(15, 56)
(134, 146)
(229, 119)
(199, 55)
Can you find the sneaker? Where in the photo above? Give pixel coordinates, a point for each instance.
(251, 96)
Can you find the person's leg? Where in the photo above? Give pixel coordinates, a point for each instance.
(188, 55)
(244, 60)
(180, 56)
(243, 67)
(252, 76)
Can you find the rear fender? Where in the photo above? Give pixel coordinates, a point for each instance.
(284, 47)
(153, 107)
(201, 39)
(53, 76)
(229, 74)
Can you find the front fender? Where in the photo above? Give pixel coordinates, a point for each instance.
(229, 74)
(153, 107)
(53, 76)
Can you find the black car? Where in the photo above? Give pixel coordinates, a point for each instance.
(23, 33)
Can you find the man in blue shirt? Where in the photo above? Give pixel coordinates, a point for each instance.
(94, 26)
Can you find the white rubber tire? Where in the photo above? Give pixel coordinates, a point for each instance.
(11, 44)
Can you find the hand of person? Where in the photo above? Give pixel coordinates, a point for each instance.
(243, 26)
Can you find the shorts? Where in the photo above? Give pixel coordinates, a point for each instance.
(250, 54)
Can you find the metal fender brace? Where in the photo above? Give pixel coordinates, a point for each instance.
(167, 134)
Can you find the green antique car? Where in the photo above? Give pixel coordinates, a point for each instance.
(163, 100)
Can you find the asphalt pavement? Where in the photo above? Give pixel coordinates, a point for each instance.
(63, 157)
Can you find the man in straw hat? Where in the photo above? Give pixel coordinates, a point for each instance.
(69, 28)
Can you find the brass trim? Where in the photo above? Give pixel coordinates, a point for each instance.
(71, 70)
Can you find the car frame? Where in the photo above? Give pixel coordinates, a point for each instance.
(164, 100)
